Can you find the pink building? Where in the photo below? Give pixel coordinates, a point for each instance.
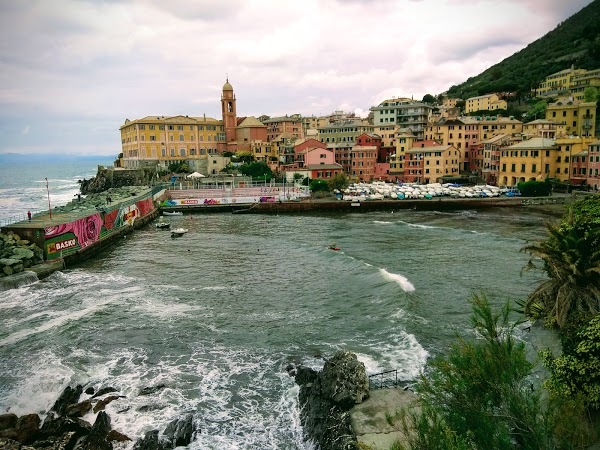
(593, 177)
(364, 159)
(249, 129)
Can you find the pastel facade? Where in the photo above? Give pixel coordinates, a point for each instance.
(249, 129)
(490, 159)
(548, 129)
(263, 151)
(534, 159)
(581, 81)
(404, 113)
(285, 125)
(364, 159)
(593, 176)
(489, 102)
(429, 164)
(558, 83)
(578, 118)
(344, 132)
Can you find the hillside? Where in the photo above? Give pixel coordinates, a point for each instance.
(576, 41)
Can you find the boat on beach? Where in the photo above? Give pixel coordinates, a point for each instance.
(172, 213)
(178, 232)
(163, 225)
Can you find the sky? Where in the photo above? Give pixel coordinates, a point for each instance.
(72, 71)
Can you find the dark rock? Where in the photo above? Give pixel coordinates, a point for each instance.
(98, 437)
(114, 435)
(90, 391)
(327, 396)
(8, 421)
(9, 444)
(26, 429)
(104, 390)
(55, 425)
(150, 441)
(152, 389)
(102, 403)
(68, 397)
(78, 409)
(65, 442)
(344, 380)
(180, 431)
(305, 375)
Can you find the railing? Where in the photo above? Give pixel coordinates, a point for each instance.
(386, 379)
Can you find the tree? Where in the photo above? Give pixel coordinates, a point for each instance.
(576, 373)
(428, 98)
(570, 257)
(339, 181)
(591, 94)
(244, 156)
(479, 396)
(318, 185)
(257, 170)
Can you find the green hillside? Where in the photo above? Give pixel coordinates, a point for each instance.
(576, 41)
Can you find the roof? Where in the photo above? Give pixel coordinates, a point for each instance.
(534, 143)
(251, 122)
(227, 86)
(481, 96)
(323, 166)
(498, 137)
(171, 120)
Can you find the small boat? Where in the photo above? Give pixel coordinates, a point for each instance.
(172, 213)
(334, 247)
(163, 225)
(178, 232)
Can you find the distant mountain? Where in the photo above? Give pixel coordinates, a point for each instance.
(574, 42)
(41, 157)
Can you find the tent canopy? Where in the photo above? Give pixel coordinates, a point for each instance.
(195, 175)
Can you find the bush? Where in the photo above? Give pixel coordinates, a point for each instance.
(535, 188)
(317, 185)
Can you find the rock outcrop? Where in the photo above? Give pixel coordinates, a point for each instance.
(326, 398)
(64, 429)
(107, 178)
(17, 255)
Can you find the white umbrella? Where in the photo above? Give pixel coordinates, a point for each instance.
(195, 175)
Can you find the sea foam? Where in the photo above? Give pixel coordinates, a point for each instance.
(406, 285)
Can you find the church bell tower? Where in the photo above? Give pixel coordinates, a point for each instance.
(229, 116)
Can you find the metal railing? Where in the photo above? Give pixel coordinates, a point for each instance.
(386, 379)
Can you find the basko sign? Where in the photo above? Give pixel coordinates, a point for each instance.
(61, 245)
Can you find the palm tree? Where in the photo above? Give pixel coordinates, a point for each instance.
(571, 259)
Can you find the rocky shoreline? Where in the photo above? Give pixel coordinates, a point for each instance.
(326, 398)
(17, 255)
(63, 428)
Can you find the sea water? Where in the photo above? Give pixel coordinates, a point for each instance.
(217, 315)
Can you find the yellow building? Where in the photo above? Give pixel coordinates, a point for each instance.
(387, 134)
(534, 159)
(430, 164)
(581, 81)
(568, 148)
(159, 141)
(489, 102)
(404, 142)
(558, 83)
(543, 128)
(578, 118)
(263, 150)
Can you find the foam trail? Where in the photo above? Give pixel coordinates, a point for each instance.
(406, 285)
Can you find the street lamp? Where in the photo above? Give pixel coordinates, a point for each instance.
(48, 191)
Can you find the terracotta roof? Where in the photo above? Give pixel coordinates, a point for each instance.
(534, 143)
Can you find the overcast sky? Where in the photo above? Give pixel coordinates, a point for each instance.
(72, 71)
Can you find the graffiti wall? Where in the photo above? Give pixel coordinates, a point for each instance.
(81, 233)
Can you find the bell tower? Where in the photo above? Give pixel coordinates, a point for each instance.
(229, 115)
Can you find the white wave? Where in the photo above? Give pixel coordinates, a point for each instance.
(418, 225)
(40, 384)
(402, 353)
(382, 222)
(53, 323)
(406, 285)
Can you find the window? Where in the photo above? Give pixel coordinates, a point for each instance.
(151, 127)
(181, 137)
(182, 152)
(171, 127)
(547, 168)
(179, 127)
(513, 168)
(534, 168)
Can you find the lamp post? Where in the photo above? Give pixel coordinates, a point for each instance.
(48, 191)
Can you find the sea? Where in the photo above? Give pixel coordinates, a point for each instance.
(217, 315)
